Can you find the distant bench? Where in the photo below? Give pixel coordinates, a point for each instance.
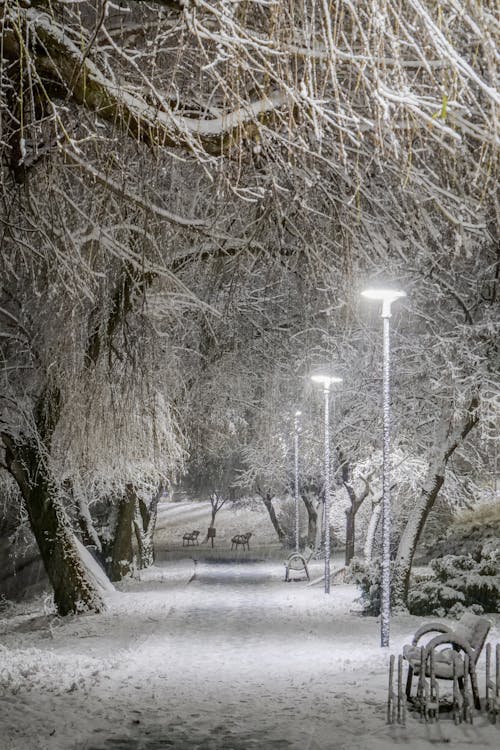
(243, 539)
(297, 563)
(190, 537)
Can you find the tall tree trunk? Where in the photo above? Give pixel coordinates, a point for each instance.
(268, 502)
(122, 553)
(144, 525)
(351, 512)
(372, 529)
(320, 526)
(312, 518)
(349, 534)
(442, 451)
(216, 501)
(356, 503)
(350, 528)
(74, 591)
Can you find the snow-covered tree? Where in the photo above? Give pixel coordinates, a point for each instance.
(186, 185)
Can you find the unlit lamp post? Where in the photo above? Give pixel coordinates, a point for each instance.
(296, 425)
(326, 381)
(387, 297)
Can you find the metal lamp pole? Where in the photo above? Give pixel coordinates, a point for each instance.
(326, 392)
(387, 296)
(296, 445)
(326, 381)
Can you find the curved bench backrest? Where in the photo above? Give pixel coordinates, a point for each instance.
(308, 553)
(474, 630)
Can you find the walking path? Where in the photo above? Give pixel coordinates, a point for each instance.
(217, 656)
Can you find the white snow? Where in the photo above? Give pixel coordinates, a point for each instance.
(211, 655)
(98, 575)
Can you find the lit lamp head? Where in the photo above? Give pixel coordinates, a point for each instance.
(386, 296)
(325, 380)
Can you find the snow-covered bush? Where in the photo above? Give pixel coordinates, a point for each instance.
(367, 576)
(433, 597)
(460, 582)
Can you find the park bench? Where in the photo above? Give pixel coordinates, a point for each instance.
(243, 539)
(450, 655)
(297, 562)
(190, 537)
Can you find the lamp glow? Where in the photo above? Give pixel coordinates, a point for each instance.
(325, 379)
(384, 295)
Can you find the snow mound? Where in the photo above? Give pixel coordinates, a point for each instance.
(25, 670)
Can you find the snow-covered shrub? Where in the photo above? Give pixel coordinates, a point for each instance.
(367, 576)
(460, 582)
(450, 566)
(433, 598)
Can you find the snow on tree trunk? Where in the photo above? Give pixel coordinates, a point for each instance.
(122, 554)
(89, 534)
(144, 525)
(372, 530)
(74, 589)
(444, 448)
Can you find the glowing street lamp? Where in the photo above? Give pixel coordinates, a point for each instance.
(326, 381)
(296, 426)
(387, 297)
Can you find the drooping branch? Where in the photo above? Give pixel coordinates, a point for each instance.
(61, 62)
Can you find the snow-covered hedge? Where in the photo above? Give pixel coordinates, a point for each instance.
(460, 582)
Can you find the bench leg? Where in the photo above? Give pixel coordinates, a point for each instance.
(475, 691)
(409, 681)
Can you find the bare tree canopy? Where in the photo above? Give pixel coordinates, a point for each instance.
(193, 194)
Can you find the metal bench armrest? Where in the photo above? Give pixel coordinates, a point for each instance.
(452, 640)
(430, 627)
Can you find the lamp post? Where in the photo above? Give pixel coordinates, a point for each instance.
(387, 297)
(296, 456)
(326, 381)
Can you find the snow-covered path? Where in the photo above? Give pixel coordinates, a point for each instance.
(229, 658)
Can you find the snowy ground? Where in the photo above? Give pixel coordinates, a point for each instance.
(213, 655)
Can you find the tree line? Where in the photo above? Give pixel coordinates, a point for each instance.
(192, 197)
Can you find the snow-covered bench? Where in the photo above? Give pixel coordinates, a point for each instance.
(243, 539)
(297, 562)
(190, 537)
(456, 661)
